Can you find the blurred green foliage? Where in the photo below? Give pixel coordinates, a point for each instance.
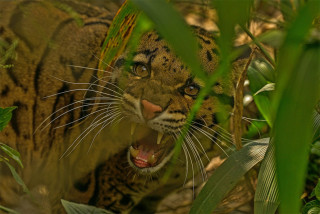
(7, 153)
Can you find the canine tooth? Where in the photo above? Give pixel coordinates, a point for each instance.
(160, 135)
(133, 128)
(134, 152)
(152, 159)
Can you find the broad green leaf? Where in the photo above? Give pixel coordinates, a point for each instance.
(5, 116)
(288, 9)
(265, 69)
(262, 100)
(266, 199)
(273, 38)
(227, 175)
(170, 24)
(15, 155)
(74, 208)
(17, 177)
(267, 87)
(296, 96)
(240, 11)
(291, 50)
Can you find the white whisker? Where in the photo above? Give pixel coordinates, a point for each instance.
(196, 157)
(103, 62)
(89, 104)
(88, 130)
(66, 106)
(88, 68)
(103, 109)
(210, 136)
(102, 127)
(81, 89)
(101, 79)
(188, 153)
(226, 138)
(203, 151)
(90, 84)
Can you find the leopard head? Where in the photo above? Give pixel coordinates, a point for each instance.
(158, 91)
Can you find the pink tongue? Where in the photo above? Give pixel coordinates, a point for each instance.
(141, 160)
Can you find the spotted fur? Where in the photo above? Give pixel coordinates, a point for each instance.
(87, 160)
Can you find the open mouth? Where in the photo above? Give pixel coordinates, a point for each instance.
(150, 149)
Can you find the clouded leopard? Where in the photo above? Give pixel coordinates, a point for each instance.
(103, 141)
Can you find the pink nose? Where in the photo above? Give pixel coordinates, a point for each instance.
(149, 109)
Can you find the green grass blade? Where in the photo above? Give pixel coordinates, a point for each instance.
(266, 199)
(227, 175)
(293, 125)
(17, 177)
(15, 155)
(292, 48)
(240, 11)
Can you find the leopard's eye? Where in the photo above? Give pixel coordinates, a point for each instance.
(140, 70)
(191, 90)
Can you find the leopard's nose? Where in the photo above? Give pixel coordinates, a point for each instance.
(149, 109)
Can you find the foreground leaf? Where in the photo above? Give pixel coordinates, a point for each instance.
(15, 155)
(273, 38)
(17, 177)
(74, 208)
(293, 124)
(266, 199)
(262, 100)
(227, 175)
(268, 87)
(5, 116)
